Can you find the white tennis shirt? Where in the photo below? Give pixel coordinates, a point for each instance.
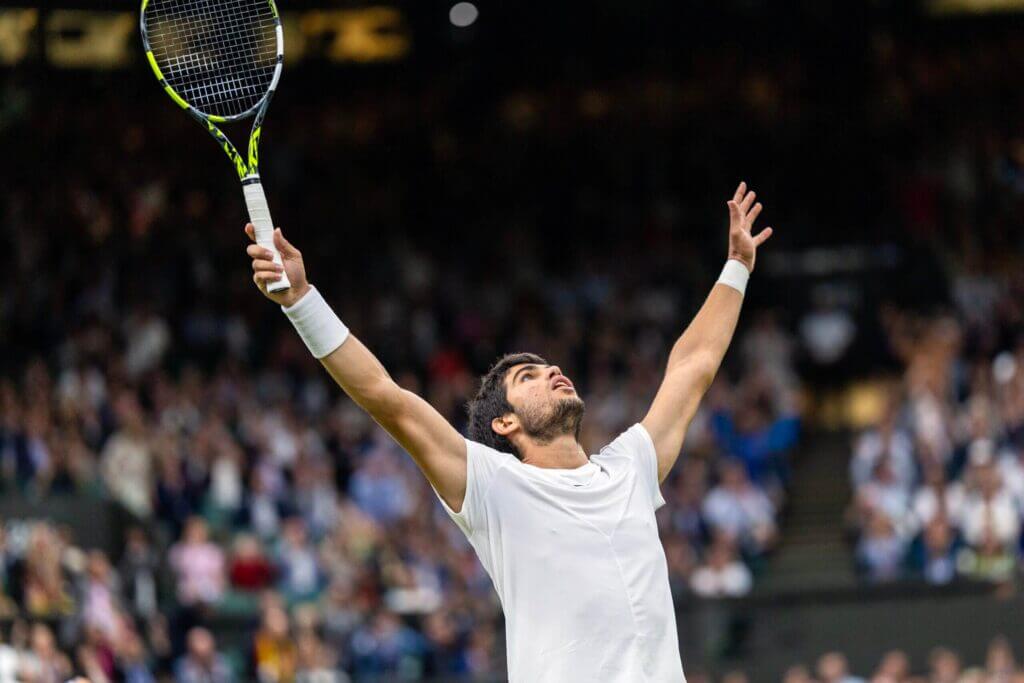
(577, 563)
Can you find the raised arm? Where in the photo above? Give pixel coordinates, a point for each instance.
(438, 449)
(698, 353)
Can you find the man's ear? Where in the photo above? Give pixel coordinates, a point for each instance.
(505, 425)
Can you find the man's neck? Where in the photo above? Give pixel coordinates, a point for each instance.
(562, 453)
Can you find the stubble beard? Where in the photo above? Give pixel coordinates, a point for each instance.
(565, 418)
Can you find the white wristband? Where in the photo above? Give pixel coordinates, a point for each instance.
(317, 323)
(735, 275)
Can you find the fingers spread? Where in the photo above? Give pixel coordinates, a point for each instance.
(747, 201)
(734, 211)
(752, 216)
(740, 191)
(762, 237)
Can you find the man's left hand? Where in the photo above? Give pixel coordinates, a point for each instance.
(743, 212)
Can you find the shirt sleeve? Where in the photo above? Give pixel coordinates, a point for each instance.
(636, 447)
(482, 464)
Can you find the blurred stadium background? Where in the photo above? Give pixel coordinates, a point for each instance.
(547, 177)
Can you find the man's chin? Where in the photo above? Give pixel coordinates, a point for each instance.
(571, 400)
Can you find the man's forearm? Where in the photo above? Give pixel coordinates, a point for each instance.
(704, 343)
(438, 449)
(425, 434)
(356, 370)
(360, 375)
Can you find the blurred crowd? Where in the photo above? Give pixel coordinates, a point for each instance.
(449, 220)
(942, 665)
(939, 478)
(145, 369)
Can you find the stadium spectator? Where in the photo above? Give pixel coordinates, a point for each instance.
(199, 566)
(1000, 662)
(99, 598)
(44, 661)
(797, 673)
(132, 659)
(127, 460)
(762, 432)
(933, 556)
(881, 551)
(989, 511)
(301, 576)
(894, 667)
(722, 574)
(39, 581)
(944, 666)
(202, 663)
(263, 510)
(138, 570)
(445, 655)
(834, 668)
(740, 509)
(384, 645)
(274, 655)
(249, 568)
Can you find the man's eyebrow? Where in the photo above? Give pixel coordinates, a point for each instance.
(529, 366)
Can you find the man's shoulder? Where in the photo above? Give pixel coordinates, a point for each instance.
(483, 450)
(632, 441)
(486, 460)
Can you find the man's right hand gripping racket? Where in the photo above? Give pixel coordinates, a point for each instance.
(220, 60)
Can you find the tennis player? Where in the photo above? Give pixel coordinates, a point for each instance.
(569, 540)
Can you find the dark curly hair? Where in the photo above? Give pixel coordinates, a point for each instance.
(491, 401)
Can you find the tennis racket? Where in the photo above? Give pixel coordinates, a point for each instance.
(220, 60)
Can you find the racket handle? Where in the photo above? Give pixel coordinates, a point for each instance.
(259, 215)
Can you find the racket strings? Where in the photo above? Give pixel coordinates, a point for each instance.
(219, 55)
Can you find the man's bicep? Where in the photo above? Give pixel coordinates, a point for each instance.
(436, 446)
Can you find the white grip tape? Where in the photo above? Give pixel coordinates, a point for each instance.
(259, 215)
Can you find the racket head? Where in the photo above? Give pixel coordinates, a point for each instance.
(221, 59)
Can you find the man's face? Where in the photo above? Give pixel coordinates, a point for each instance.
(544, 401)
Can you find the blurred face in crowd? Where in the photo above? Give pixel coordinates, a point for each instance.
(99, 566)
(988, 479)
(894, 666)
(937, 537)
(832, 667)
(195, 531)
(797, 674)
(1000, 659)
(880, 526)
(42, 641)
(200, 645)
(275, 621)
(440, 629)
(935, 476)
(733, 475)
(544, 401)
(945, 666)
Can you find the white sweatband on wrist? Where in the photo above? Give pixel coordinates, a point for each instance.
(735, 275)
(317, 323)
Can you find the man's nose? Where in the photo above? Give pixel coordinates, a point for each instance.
(554, 371)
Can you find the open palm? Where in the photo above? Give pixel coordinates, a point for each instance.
(743, 212)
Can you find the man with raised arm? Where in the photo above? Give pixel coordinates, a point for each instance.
(569, 540)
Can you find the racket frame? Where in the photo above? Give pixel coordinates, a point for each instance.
(247, 167)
